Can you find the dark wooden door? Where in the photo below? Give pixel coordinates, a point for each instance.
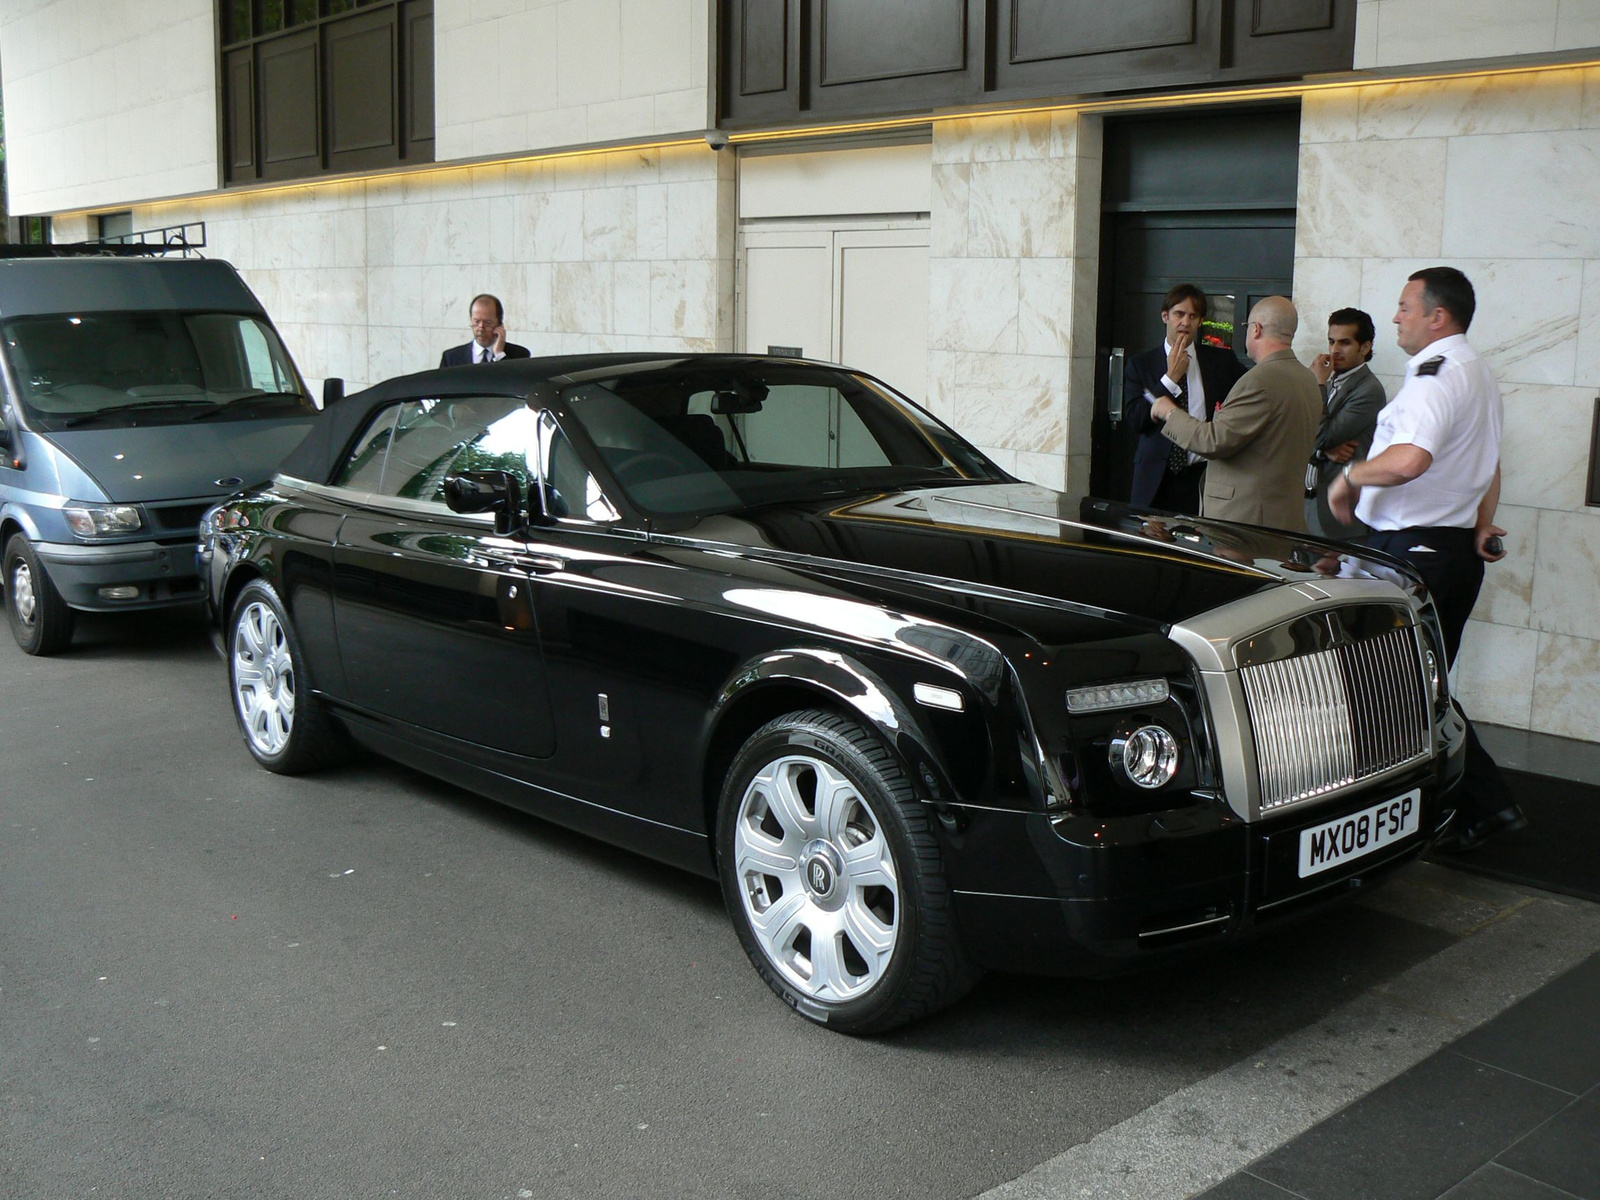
(1206, 199)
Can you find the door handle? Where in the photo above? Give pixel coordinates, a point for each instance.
(1114, 382)
(539, 564)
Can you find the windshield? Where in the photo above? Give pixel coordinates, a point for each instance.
(141, 368)
(709, 439)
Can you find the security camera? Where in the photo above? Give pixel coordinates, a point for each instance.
(716, 139)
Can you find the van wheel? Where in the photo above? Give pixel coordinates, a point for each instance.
(40, 619)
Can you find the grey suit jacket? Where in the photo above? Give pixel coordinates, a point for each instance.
(1352, 417)
(1257, 445)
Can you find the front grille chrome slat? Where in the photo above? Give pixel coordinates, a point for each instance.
(1330, 718)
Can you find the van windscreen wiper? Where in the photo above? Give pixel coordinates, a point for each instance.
(101, 414)
(245, 402)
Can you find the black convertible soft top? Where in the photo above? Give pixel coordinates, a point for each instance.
(318, 456)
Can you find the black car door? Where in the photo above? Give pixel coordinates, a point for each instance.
(433, 609)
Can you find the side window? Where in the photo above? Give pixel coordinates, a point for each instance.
(570, 489)
(438, 437)
(261, 368)
(363, 470)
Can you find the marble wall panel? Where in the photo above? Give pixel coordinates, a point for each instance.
(1330, 115)
(684, 299)
(1566, 690)
(1565, 572)
(582, 299)
(1012, 401)
(610, 223)
(947, 224)
(1047, 469)
(1494, 676)
(1046, 309)
(1491, 211)
(1520, 103)
(1587, 369)
(1370, 190)
(1322, 285)
(973, 304)
(692, 227)
(994, 139)
(1544, 451)
(1507, 595)
(1528, 316)
(1021, 209)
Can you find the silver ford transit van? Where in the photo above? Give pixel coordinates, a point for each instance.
(138, 392)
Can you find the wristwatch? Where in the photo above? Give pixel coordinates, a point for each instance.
(1346, 474)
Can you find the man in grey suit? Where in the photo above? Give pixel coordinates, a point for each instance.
(1258, 443)
(1352, 397)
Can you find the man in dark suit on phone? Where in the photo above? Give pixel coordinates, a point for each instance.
(1197, 378)
(488, 342)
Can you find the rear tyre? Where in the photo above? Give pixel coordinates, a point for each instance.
(285, 727)
(834, 879)
(40, 619)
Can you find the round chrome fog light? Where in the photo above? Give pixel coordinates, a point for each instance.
(1148, 756)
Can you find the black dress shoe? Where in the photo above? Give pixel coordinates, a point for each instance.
(1471, 836)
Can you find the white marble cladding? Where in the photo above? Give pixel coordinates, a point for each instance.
(629, 250)
(1393, 33)
(517, 75)
(107, 103)
(1013, 269)
(1496, 175)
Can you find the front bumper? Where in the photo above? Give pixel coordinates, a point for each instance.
(163, 572)
(1096, 897)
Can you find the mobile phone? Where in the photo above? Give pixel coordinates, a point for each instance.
(1493, 545)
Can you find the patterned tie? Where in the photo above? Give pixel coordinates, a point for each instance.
(1178, 457)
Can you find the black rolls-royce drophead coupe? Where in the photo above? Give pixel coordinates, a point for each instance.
(769, 621)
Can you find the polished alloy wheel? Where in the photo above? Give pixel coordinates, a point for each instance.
(263, 678)
(23, 600)
(817, 878)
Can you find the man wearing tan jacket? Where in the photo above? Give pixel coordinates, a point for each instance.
(1258, 442)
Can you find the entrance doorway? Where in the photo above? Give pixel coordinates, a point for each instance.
(1207, 199)
(854, 295)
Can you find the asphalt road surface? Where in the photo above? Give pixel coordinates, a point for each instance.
(215, 982)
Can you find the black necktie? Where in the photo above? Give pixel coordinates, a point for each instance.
(1178, 459)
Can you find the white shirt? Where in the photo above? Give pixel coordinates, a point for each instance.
(1456, 416)
(483, 354)
(1197, 387)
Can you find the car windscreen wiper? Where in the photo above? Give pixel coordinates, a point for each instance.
(218, 407)
(101, 414)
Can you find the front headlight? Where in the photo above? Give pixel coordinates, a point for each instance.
(102, 520)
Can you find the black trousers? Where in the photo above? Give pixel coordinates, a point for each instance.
(1180, 492)
(1447, 559)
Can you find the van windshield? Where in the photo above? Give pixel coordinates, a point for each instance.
(143, 368)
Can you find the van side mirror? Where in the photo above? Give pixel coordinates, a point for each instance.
(332, 391)
(496, 492)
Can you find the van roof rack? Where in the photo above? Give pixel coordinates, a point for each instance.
(173, 239)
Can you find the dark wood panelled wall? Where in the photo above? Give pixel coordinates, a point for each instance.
(310, 89)
(826, 60)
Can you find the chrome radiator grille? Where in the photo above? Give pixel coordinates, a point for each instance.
(1327, 719)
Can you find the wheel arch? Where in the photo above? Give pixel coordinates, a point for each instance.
(785, 681)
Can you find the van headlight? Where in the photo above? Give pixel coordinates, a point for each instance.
(102, 520)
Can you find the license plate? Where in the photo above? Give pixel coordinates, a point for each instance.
(1344, 839)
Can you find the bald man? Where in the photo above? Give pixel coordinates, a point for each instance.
(1259, 440)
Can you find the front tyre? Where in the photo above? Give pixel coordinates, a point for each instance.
(834, 879)
(40, 619)
(287, 729)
